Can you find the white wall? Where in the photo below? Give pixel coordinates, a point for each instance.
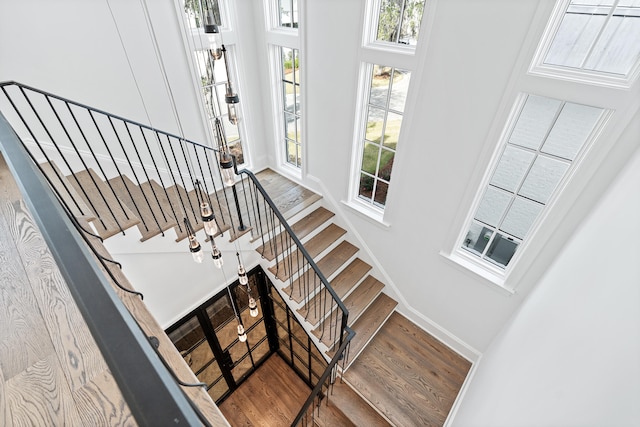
(570, 356)
(72, 48)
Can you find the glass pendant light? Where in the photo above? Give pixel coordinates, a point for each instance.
(242, 335)
(194, 245)
(206, 213)
(242, 273)
(253, 307)
(216, 255)
(195, 249)
(230, 97)
(226, 166)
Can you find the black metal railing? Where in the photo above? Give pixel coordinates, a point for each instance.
(73, 137)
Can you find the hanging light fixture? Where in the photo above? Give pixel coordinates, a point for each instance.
(253, 307)
(208, 218)
(216, 255)
(242, 273)
(230, 97)
(212, 28)
(225, 159)
(194, 245)
(242, 335)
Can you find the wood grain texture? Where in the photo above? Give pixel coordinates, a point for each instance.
(148, 202)
(39, 396)
(408, 375)
(23, 336)
(302, 229)
(328, 265)
(369, 323)
(113, 214)
(77, 352)
(272, 396)
(66, 191)
(315, 246)
(99, 403)
(354, 407)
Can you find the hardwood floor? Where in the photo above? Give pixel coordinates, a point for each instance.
(51, 370)
(271, 397)
(411, 377)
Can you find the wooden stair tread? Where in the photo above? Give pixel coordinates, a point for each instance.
(356, 303)
(109, 209)
(301, 229)
(315, 246)
(151, 205)
(329, 415)
(341, 284)
(289, 197)
(328, 265)
(67, 192)
(184, 203)
(369, 322)
(354, 407)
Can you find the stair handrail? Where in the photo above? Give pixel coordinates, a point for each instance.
(301, 248)
(337, 357)
(97, 110)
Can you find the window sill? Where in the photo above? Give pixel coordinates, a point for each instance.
(490, 278)
(373, 215)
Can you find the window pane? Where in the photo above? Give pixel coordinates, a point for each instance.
(392, 130)
(477, 238)
(618, 48)
(290, 126)
(374, 124)
(380, 78)
(512, 167)
(389, 21)
(386, 164)
(571, 130)
(366, 186)
(501, 250)
(289, 97)
(399, 21)
(520, 217)
(574, 38)
(534, 121)
(381, 193)
(543, 178)
(370, 158)
(399, 89)
(493, 205)
(410, 25)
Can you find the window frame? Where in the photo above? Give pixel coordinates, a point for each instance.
(540, 68)
(370, 33)
(489, 270)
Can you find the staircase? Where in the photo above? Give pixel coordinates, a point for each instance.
(164, 182)
(119, 199)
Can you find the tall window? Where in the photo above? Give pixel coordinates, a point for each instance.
(287, 13)
(290, 82)
(399, 21)
(213, 77)
(547, 136)
(387, 92)
(598, 37)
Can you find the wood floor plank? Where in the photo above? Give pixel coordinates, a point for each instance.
(39, 396)
(408, 375)
(354, 407)
(367, 325)
(4, 410)
(99, 403)
(77, 352)
(271, 396)
(23, 336)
